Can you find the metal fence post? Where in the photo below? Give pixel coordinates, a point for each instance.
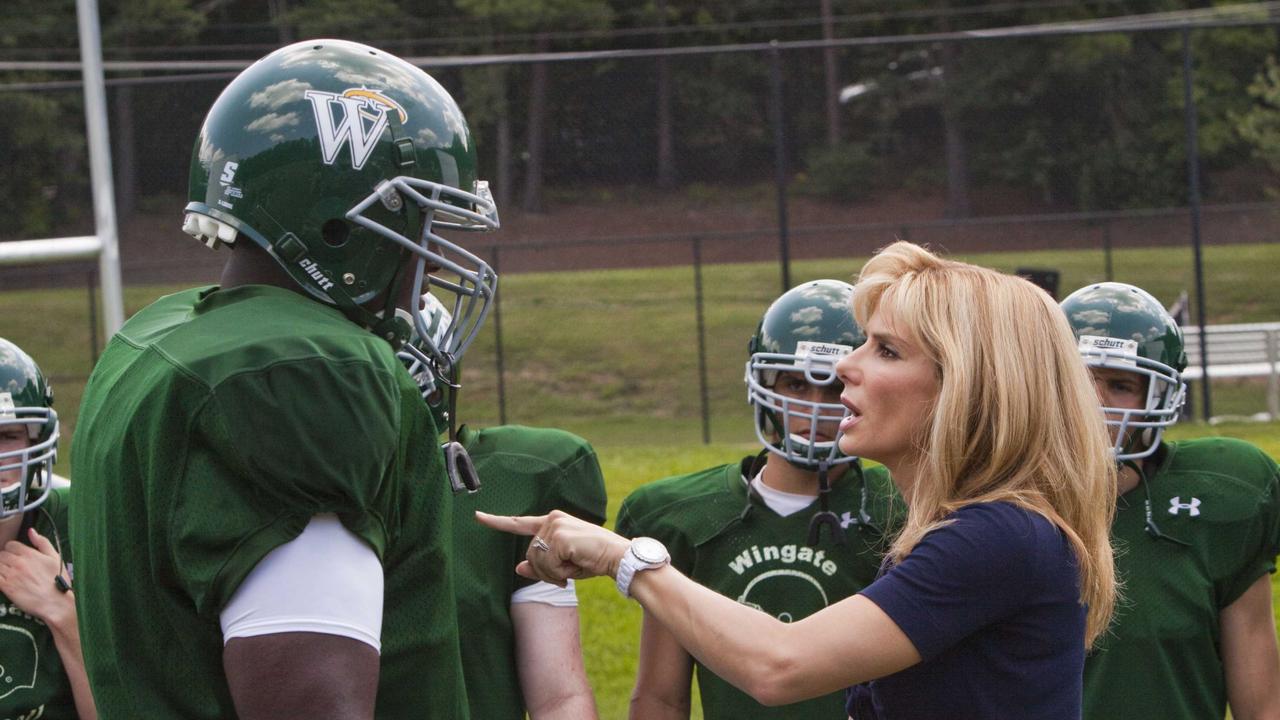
(1273, 377)
(702, 341)
(780, 158)
(1106, 248)
(499, 356)
(1193, 190)
(93, 321)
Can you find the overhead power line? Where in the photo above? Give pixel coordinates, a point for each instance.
(498, 39)
(1266, 13)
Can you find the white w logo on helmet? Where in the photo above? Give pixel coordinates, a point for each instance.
(1176, 504)
(358, 106)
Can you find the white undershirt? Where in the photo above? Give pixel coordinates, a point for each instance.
(782, 503)
(327, 580)
(547, 594)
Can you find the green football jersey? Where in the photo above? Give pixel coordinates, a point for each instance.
(1160, 659)
(523, 471)
(726, 538)
(214, 426)
(33, 683)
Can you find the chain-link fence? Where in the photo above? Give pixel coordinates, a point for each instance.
(656, 200)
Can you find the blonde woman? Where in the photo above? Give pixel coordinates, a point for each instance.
(970, 390)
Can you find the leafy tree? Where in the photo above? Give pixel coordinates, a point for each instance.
(1260, 124)
(42, 138)
(127, 24)
(367, 20)
(538, 17)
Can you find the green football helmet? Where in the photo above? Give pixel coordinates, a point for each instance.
(342, 162)
(1123, 327)
(26, 401)
(806, 331)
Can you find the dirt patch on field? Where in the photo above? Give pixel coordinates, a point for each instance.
(638, 228)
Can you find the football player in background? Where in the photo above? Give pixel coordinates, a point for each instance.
(522, 651)
(1002, 573)
(1197, 531)
(790, 530)
(39, 640)
(266, 518)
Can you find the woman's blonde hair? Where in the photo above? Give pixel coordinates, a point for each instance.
(1016, 418)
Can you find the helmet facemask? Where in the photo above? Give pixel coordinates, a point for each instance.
(440, 263)
(33, 463)
(1136, 432)
(776, 414)
(433, 330)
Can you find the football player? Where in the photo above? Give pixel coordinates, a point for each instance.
(522, 652)
(790, 530)
(1197, 530)
(39, 639)
(266, 520)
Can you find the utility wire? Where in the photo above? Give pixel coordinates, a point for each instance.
(1259, 14)
(492, 39)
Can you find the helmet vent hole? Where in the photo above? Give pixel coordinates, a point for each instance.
(335, 233)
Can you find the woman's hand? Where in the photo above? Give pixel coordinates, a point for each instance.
(27, 578)
(563, 546)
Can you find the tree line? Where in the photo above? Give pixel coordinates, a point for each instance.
(1077, 122)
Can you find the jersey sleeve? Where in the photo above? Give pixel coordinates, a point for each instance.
(959, 578)
(275, 447)
(579, 490)
(625, 524)
(1260, 542)
(642, 515)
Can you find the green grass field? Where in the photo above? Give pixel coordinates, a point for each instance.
(612, 356)
(611, 625)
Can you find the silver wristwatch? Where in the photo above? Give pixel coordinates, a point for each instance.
(644, 553)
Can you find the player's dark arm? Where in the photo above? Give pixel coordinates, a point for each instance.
(301, 675)
(322, 595)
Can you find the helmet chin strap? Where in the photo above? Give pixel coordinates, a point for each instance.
(1151, 527)
(396, 326)
(458, 465)
(824, 516)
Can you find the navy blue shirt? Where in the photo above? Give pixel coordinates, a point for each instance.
(992, 604)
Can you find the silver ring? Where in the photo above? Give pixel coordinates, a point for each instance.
(540, 544)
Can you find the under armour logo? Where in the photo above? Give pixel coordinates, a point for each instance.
(1176, 504)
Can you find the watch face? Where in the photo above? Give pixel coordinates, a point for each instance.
(648, 550)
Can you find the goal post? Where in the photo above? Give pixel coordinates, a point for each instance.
(104, 243)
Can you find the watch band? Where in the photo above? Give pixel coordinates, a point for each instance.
(642, 554)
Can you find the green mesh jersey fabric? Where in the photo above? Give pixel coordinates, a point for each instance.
(1160, 660)
(214, 426)
(33, 683)
(728, 540)
(523, 471)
